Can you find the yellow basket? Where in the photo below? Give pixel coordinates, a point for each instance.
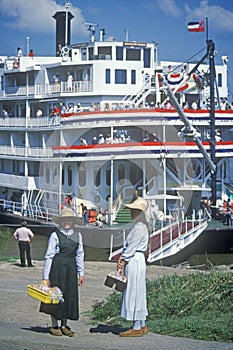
(42, 296)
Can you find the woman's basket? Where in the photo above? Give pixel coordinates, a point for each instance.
(116, 279)
(45, 294)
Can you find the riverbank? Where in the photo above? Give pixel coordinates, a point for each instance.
(23, 327)
(216, 242)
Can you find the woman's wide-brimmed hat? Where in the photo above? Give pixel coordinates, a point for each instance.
(66, 213)
(139, 203)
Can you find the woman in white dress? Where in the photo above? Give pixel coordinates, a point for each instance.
(132, 260)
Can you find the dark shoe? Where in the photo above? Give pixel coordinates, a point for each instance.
(67, 331)
(144, 330)
(55, 331)
(31, 265)
(132, 333)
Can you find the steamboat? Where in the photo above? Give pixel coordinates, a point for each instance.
(104, 121)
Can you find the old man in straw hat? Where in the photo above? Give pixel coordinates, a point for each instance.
(132, 260)
(64, 260)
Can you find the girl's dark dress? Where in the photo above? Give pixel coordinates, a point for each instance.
(63, 274)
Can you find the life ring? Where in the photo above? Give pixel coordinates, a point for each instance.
(65, 51)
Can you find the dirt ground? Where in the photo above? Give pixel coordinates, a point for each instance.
(14, 281)
(23, 327)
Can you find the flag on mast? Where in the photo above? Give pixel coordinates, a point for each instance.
(196, 26)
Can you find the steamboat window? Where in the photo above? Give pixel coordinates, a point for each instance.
(222, 170)
(105, 52)
(133, 55)
(121, 172)
(15, 166)
(133, 174)
(84, 53)
(47, 175)
(193, 169)
(41, 170)
(90, 53)
(30, 78)
(97, 177)
(146, 58)
(97, 199)
(69, 175)
(54, 174)
(120, 76)
(107, 76)
(133, 76)
(108, 176)
(63, 176)
(82, 176)
(219, 79)
(119, 53)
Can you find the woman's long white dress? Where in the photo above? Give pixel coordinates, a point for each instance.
(134, 304)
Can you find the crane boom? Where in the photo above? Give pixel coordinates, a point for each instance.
(188, 125)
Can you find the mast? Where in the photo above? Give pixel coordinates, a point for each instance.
(211, 51)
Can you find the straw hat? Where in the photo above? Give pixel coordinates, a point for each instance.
(65, 213)
(139, 203)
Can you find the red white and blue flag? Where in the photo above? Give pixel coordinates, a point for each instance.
(196, 26)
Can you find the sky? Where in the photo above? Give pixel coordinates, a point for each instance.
(161, 21)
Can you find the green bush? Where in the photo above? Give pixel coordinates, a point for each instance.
(198, 305)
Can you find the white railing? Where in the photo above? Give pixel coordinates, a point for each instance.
(18, 181)
(170, 238)
(23, 90)
(30, 122)
(140, 97)
(77, 86)
(27, 210)
(36, 152)
(49, 89)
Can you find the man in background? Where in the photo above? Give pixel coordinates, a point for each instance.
(24, 236)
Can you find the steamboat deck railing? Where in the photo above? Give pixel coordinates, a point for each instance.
(48, 90)
(169, 239)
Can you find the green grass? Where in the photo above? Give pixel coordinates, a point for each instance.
(5, 237)
(5, 234)
(8, 258)
(197, 306)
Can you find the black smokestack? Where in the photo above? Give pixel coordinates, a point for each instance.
(60, 18)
